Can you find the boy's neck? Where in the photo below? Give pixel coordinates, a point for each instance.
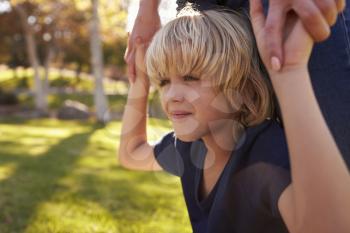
(222, 142)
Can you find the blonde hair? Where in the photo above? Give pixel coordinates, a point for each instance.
(219, 45)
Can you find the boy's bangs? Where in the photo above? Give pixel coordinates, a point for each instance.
(183, 47)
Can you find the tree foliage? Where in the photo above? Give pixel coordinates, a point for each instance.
(63, 26)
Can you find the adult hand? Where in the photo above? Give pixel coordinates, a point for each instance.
(316, 15)
(297, 44)
(147, 23)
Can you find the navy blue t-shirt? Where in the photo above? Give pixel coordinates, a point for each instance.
(244, 199)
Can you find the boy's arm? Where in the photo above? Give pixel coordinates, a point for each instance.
(134, 150)
(318, 199)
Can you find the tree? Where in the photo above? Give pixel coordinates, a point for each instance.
(28, 22)
(101, 103)
(70, 32)
(12, 49)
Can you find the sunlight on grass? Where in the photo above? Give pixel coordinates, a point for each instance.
(35, 139)
(7, 170)
(81, 215)
(74, 184)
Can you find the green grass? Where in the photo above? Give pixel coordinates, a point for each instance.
(63, 177)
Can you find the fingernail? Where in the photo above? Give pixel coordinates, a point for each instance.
(275, 64)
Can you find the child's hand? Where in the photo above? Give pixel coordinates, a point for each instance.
(297, 44)
(147, 23)
(141, 71)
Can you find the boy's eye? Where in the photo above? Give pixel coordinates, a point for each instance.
(190, 78)
(164, 82)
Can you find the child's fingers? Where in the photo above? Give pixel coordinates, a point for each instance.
(257, 15)
(299, 41)
(129, 58)
(131, 66)
(140, 58)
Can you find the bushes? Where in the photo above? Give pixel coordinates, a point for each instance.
(61, 82)
(8, 98)
(22, 82)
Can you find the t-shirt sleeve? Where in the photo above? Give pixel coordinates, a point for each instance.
(280, 180)
(274, 170)
(168, 156)
(280, 168)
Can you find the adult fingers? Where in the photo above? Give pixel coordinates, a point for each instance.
(274, 29)
(328, 9)
(257, 16)
(140, 52)
(340, 5)
(312, 19)
(129, 58)
(258, 20)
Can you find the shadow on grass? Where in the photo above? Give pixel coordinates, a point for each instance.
(129, 204)
(35, 181)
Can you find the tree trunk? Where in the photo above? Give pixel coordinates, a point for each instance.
(100, 99)
(78, 72)
(49, 57)
(40, 98)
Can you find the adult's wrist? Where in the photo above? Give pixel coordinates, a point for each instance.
(148, 6)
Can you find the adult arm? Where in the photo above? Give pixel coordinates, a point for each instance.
(317, 200)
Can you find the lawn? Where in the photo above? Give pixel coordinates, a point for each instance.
(63, 176)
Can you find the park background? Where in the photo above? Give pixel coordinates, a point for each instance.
(63, 88)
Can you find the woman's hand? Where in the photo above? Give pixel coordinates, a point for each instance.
(297, 44)
(317, 17)
(147, 23)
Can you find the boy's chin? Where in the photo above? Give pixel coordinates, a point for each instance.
(187, 137)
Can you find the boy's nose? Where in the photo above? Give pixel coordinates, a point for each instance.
(175, 92)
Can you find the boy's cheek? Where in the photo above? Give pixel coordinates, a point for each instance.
(221, 104)
(206, 83)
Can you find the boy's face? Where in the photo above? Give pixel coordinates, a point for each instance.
(193, 107)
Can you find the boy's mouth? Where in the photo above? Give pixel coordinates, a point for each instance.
(179, 114)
